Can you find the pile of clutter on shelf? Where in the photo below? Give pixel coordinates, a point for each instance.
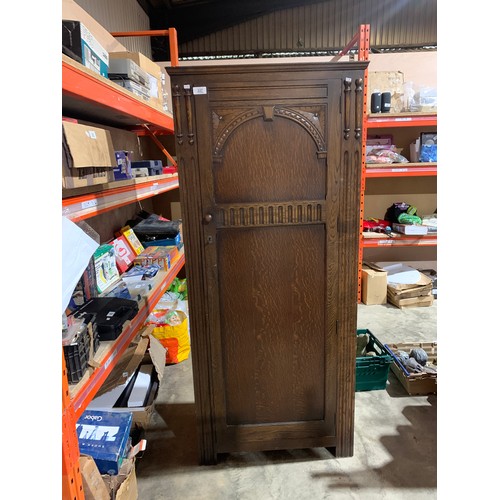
(109, 445)
(90, 158)
(89, 155)
(131, 70)
(399, 284)
(106, 284)
(391, 92)
(380, 150)
(400, 218)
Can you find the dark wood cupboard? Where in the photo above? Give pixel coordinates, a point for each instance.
(269, 159)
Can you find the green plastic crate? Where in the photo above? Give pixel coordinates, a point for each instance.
(372, 371)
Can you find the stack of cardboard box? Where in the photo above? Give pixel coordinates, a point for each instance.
(414, 291)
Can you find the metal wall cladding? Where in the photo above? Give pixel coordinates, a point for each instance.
(325, 27)
(121, 15)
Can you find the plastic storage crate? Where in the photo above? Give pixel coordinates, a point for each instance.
(372, 371)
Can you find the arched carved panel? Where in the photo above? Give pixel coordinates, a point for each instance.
(311, 119)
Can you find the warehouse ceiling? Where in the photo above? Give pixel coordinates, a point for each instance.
(196, 18)
(325, 24)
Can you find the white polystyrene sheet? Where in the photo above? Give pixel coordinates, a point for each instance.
(77, 249)
(402, 274)
(141, 386)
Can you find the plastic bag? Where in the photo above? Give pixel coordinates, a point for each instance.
(178, 288)
(173, 334)
(385, 155)
(428, 153)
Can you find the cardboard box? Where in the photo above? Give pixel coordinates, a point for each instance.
(415, 151)
(411, 229)
(144, 349)
(106, 271)
(416, 384)
(81, 45)
(412, 293)
(404, 302)
(373, 284)
(388, 81)
(88, 157)
(153, 71)
(432, 274)
(104, 435)
(132, 239)
(175, 210)
(163, 256)
(124, 255)
(71, 10)
(94, 487)
(122, 486)
(123, 169)
(166, 89)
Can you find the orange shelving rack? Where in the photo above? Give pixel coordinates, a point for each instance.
(384, 121)
(86, 92)
(362, 40)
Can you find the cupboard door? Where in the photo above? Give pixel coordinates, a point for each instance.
(268, 170)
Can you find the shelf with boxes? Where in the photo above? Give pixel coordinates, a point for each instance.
(98, 115)
(103, 123)
(396, 137)
(385, 132)
(88, 94)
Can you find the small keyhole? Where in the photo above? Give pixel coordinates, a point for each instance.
(209, 239)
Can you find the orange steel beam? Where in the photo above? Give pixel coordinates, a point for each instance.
(401, 241)
(363, 39)
(72, 486)
(402, 121)
(399, 170)
(159, 144)
(174, 47)
(171, 33)
(347, 48)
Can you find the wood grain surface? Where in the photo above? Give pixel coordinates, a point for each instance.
(270, 162)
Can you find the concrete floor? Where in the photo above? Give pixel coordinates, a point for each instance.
(394, 443)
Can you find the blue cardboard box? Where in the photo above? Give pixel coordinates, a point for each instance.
(123, 169)
(104, 436)
(167, 242)
(80, 43)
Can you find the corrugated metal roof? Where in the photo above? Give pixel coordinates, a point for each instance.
(325, 27)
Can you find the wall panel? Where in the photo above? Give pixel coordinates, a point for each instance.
(121, 15)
